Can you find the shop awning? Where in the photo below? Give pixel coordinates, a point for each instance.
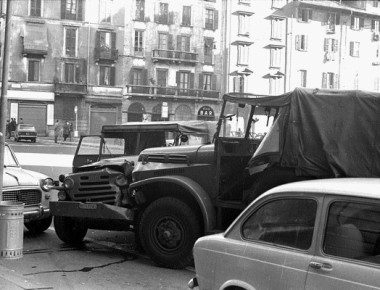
(35, 39)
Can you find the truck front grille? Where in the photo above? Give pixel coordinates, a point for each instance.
(27, 196)
(94, 187)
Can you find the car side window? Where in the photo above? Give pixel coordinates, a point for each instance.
(353, 231)
(286, 222)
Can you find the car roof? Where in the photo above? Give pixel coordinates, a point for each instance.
(362, 187)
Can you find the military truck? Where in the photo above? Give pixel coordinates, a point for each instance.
(173, 195)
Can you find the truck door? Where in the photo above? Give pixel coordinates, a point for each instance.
(88, 151)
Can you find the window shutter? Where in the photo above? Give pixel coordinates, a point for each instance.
(361, 23)
(372, 25)
(335, 45)
(200, 85)
(131, 73)
(297, 42)
(77, 72)
(113, 76)
(191, 81)
(351, 48)
(306, 42)
(170, 42)
(113, 40)
(187, 45)
(63, 9)
(171, 18)
(177, 78)
(336, 81)
(83, 75)
(337, 19)
(38, 8)
(299, 13)
(145, 77)
(80, 10)
(179, 42)
(310, 15)
(216, 19)
(97, 39)
(326, 45)
(324, 80)
(352, 21)
(213, 82)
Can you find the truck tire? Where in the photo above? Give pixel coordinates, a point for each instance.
(168, 230)
(39, 226)
(69, 230)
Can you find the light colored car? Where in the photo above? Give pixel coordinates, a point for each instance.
(29, 187)
(25, 132)
(320, 234)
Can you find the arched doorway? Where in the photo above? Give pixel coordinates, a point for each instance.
(183, 113)
(136, 112)
(156, 113)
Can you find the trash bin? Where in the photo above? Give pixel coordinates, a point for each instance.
(11, 229)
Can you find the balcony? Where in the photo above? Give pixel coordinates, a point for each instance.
(174, 56)
(170, 92)
(70, 88)
(106, 55)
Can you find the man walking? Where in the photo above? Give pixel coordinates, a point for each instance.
(57, 130)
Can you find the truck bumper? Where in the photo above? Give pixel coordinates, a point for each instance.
(91, 210)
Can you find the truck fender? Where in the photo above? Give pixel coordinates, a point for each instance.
(200, 195)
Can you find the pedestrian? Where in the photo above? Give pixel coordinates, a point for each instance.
(13, 124)
(66, 130)
(57, 130)
(70, 130)
(8, 130)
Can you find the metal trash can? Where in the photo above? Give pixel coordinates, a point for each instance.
(11, 229)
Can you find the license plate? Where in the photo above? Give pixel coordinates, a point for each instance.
(87, 206)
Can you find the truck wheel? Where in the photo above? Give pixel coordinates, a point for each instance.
(69, 230)
(168, 231)
(39, 226)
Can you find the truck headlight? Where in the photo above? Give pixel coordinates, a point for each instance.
(46, 184)
(68, 183)
(121, 181)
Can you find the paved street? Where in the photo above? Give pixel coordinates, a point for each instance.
(105, 260)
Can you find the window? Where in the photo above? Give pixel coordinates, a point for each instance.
(208, 50)
(357, 23)
(70, 41)
(330, 81)
(105, 10)
(162, 76)
(35, 8)
(301, 42)
(72, 73)
(33, 70)
(184, 81)
(107, 40)
(138, 77)
(243, 28)
(352, 231)
(332, 19)
(245, 2)
(277, 29)
(140, 10)
(375, 3)
(304, 15)
(243, 54)
(72, 9)
(164, 13)
(284, 222)
(275, 57)
(354, 48)
(275, 84)
(330, 45)
(375, 27)
(238, 84)
(278, 3)
(206, 82)
(139, 36)
(183, 43)
(303, 80)
(211, 20)
(106, 75)
(186, 16)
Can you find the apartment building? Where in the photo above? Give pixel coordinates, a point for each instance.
(172, 56)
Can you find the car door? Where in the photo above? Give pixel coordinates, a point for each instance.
(348, 251)
(279, 246)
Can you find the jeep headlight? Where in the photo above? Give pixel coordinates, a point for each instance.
(46, 184)
(68, 183)
(121, 181)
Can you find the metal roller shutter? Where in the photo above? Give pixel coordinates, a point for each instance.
(34, 114)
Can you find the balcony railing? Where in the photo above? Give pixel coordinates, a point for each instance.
(171, 92)
(73, 88)
(174, 55)
(103, 54)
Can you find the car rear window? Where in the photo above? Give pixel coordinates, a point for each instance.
(24, 126)
(285, 222)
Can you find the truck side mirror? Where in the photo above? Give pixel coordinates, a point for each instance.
(184, 138)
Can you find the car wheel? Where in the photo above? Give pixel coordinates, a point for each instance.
(168, 230)
(33, 140)
(69, 230)
(39, 226)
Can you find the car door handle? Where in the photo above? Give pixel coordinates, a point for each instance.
(321, 266)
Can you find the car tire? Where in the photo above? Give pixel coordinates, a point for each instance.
(168, 230)
(39, 226)
(69, 230)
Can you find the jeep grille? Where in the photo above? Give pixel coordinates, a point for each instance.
(27, 196)
(94, 186)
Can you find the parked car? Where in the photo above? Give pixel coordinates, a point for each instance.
(25, 132)
(31, 188)
(319, 234)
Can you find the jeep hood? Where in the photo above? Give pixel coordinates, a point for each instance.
(109, 162)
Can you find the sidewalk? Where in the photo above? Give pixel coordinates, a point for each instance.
(10, 280)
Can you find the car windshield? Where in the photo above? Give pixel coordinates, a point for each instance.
(9, 159)
(26, 127)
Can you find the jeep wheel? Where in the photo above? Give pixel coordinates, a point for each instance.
(168, 231)
(69, 230)
(39, 226)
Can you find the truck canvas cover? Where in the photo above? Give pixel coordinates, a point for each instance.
(326, 133)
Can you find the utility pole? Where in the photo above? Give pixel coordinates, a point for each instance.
(4, 92)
